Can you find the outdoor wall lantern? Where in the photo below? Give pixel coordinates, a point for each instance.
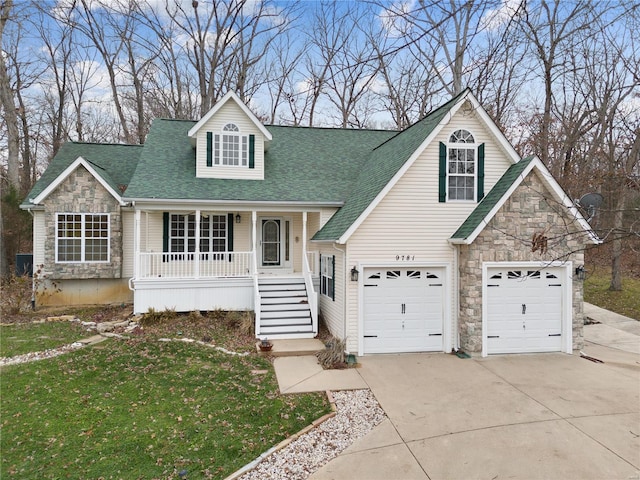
(580, 272)
(354, 274)
(238, 218)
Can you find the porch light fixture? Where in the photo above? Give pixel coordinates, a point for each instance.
(580, 272)
(354, 274)
(238, 218)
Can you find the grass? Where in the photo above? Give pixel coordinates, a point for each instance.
(626, 302)
(20, 338)
(141, 408)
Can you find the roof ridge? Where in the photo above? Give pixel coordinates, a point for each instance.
(105, 144)
(432, 113)
(341, 129)
(175, 119)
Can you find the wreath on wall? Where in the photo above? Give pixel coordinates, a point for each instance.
(539, 243)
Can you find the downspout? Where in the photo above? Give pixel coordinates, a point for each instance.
(136, 248)
(344, 296)
(455, 330)
(33, 278)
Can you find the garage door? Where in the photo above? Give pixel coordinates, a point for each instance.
(403, 310)
(524, 310)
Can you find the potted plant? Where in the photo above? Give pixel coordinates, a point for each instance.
(265, 345)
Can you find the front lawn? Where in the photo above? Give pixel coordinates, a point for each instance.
(626, 302)
(143, 408)
(19, 338)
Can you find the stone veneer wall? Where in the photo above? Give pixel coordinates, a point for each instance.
(508, 238)
(80, 192)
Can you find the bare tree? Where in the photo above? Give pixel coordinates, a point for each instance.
(352, 71)
(552, 29)
(9, 107)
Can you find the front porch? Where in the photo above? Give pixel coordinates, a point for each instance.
(276, 278)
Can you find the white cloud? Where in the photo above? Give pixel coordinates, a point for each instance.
(394, 19)
(495, 18)
(373, 84)
(305, 86)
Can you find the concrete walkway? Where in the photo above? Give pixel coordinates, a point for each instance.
(509, 416)
(612, 330)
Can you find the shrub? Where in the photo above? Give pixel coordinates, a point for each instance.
(16, 294)
(154, 317)
(333, 355)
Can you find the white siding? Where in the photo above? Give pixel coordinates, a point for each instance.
(128, 254)
(38, 238)
(333, 311)
(325, 215)
(409, 221)
(153, 235)
(229, 113)
(152, 225)
(189, 295)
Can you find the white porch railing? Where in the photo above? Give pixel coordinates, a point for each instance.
(256, 295)
(192, 265)
(312, 295)
(312, 259)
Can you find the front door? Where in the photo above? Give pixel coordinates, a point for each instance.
(274, 242)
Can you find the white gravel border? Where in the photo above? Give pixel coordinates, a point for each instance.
(34, 356)
(296, 458)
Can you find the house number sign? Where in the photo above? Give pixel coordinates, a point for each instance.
(405, 258)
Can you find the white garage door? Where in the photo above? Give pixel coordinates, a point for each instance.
(524, 310)
(403, 309)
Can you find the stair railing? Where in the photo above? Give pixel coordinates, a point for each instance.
(257, 300)
(312, 295)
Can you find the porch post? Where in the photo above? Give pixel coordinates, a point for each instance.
(136, 244)
(196, 263)
(254, 233)
(304, 237)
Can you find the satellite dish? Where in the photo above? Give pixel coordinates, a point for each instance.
(591, 202)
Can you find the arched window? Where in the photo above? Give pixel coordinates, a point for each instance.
(229, 148)
(461, 166)
(234, 146)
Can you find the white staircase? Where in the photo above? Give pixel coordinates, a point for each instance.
(284, 308)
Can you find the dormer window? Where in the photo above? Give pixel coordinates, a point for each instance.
(461, 168)
(230, 148)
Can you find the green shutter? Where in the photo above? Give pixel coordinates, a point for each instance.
(481, 171)
(230, 234)
(209, 149)
(442, 175)
(252, 151)
(333, 278)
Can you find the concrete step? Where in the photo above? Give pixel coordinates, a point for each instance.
(295, 347)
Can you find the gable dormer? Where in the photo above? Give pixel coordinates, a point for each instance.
(230, 142)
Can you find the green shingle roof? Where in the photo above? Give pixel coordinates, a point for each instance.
(381, 165)
(487, 204)
(114, 163)
(301, 165)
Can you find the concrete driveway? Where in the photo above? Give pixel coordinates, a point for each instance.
(521, 416)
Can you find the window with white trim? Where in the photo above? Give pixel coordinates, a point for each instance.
(327, 271)
(213, 233)
(82, 237)
(231, 148)
(461, 166)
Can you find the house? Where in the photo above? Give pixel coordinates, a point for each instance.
(434, 238)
